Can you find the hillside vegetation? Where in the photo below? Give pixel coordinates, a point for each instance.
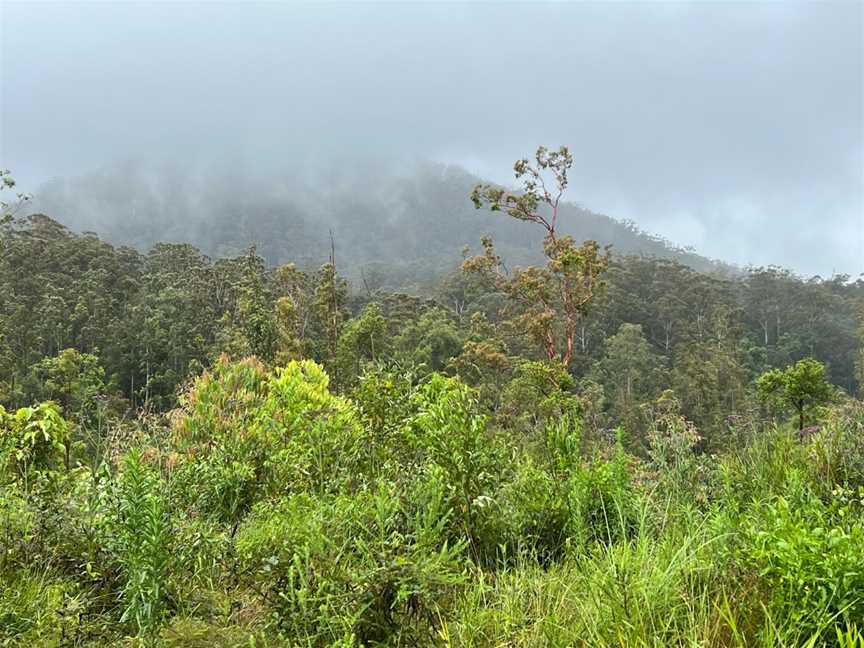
(408, 224)
(573, 447)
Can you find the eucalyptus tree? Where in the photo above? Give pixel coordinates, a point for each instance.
(548, 302)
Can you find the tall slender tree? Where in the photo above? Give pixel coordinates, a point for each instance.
(550, 301)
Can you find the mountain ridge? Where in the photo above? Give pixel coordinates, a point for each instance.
(416, 220)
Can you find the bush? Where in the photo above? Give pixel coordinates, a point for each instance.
(809, 557)
(361, 566)
(33, 440)
(143, 543)
(527, 519)
(246, 434)
(18, 528)
(451, 440)
(602, 500)
(837, 451)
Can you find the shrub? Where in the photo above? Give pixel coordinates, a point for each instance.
(33, 440)
(527, 519)
(449, 436)
(18, 528)
(602, 500)
(361, 566)
(810, 558)
(315, 440)
(384, 397)
(143, 543)
(246, 434)
(837, 451)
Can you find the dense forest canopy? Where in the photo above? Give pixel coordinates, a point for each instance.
(153, 317)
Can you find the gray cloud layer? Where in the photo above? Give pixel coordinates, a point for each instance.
(737, 128)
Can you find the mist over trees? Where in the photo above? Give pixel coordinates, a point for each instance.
(408, 223)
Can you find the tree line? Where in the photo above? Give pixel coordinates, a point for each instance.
(625, 328)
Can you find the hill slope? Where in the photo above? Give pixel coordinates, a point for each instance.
(415, 221)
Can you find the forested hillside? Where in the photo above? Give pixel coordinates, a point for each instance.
(154, 318)
(402, 226)
(549, 442)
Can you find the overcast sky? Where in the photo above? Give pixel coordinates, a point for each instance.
(737, 128)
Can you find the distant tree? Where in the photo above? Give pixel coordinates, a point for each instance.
(363, 340)
(631, 373)
(293, 313)
(9, 208)
(800, 386)
(329, 305)
(550, 301)
(248, 325)
(485, 362)
(74, 380)
(709, 375)
(538, 392)
(429, 340)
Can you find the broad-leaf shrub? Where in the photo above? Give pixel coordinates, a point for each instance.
(810, 556)
(384, 400)
(314, 436)
(451, 441)
(19, 529)
(527, 518)
(603, 500)
(558, 502)
(33, 440)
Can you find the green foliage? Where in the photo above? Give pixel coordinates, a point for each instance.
(385, 400)
(18, 527)
(631, 373)
(672, 444)
(859, 359)
(362, 341)
(809, 557)
(452, 440)
(329, 486)
(37, 609)
(245, 433)
(76, 381)
(279, 512)
(602, 500)
(430, 340)
(313, 436)
(800, 386)
(8, 209)
(538, 392)
(838, 456)
(485, 365)
(362, 566)
(143, 537)
(33, 440)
